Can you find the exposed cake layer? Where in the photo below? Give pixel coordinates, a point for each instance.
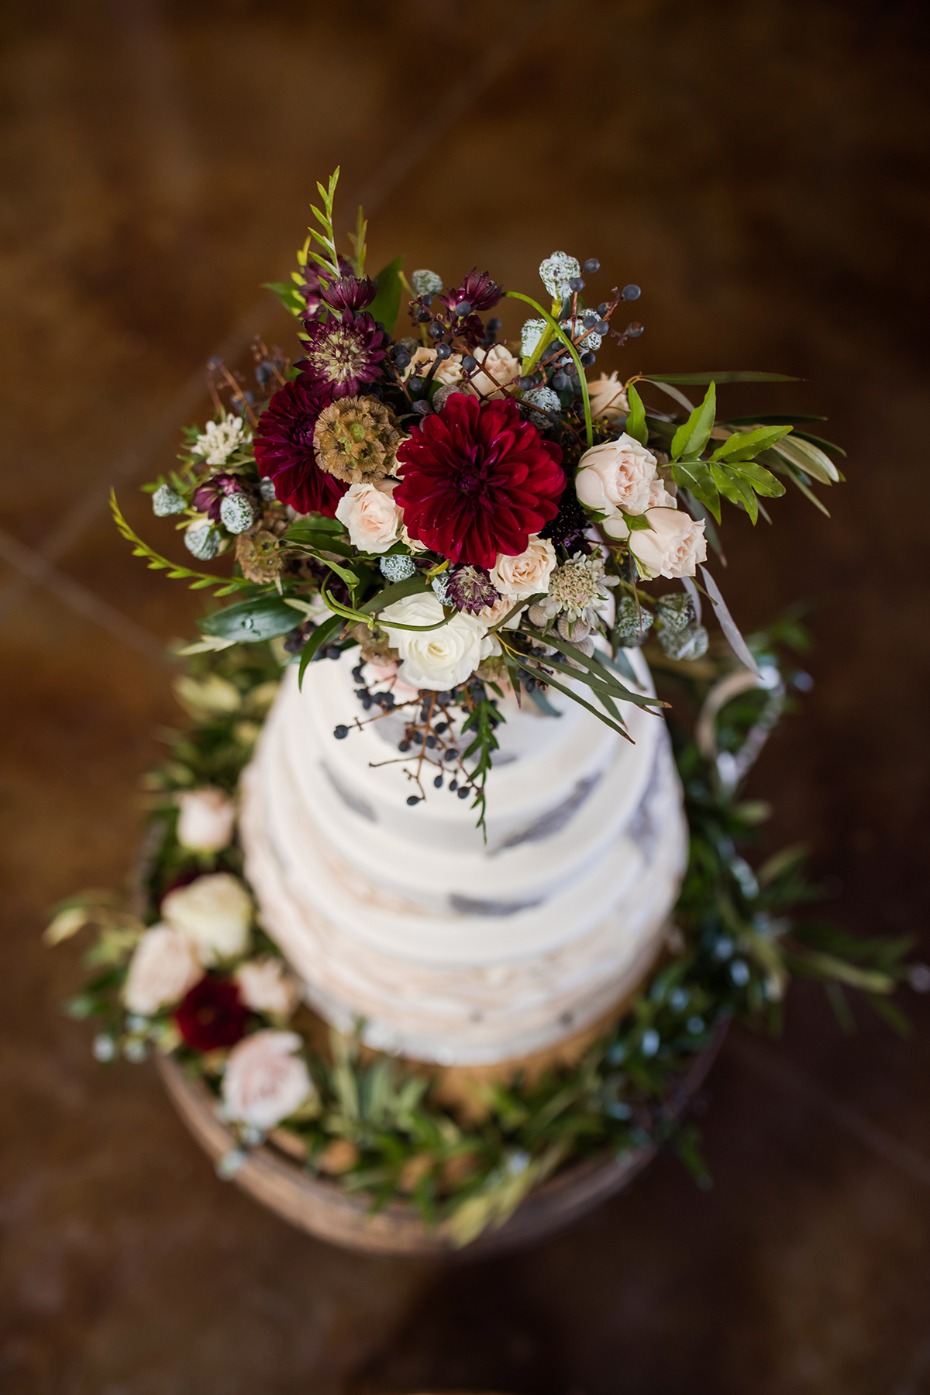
(451, 950)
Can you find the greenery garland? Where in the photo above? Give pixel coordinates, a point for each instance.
(376, 1125)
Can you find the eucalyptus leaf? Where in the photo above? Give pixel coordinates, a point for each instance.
(728, 624)
(251, 621)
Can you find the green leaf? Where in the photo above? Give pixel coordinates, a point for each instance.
(695, 475)
(738, 375)
(559, 333)
(386, 305)
(691, 437)
(320, 637)
(636, 420)
(288, 294)
(397, 591)
(251, 621)
(809, 458)
(746, 445)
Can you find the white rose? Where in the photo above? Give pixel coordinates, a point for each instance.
(449, 371)
(163, 967)
(616, 476)
(214, 912)
(265, 1081)
(608, 398)
(266, 986)
(369, 513)
(671, 546)
(526, 574)
(205, 820)
(497, 369)
(435, 659)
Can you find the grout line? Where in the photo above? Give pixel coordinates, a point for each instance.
(36, 571)
(772, 1065)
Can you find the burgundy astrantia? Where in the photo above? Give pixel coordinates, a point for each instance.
(349, 293)
(477, 480)
(284, 449)
(316, 278)
(343, 353)
(209, 496)
(212, 1015)
(478, 289)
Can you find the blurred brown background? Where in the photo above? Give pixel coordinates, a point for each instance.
(760, 168)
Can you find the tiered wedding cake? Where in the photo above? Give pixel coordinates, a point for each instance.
(449, 949)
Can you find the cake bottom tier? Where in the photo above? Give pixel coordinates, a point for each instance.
(461, 1014)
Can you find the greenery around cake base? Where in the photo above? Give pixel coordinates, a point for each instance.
(374, 1126)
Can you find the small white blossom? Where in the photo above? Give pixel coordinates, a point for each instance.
(220, 439)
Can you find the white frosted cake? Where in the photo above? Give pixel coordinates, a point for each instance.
(446, 948)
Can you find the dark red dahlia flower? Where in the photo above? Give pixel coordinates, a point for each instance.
(343, 353)
(476, 480)
(477, 289)
(349, 293)
(212, 1015)
(284, 449)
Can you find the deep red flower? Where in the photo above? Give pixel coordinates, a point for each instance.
(284, 449)
(212, 1015)
(476, 480)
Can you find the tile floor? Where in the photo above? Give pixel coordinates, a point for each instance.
(762, 173)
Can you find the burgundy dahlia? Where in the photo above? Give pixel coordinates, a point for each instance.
(343, 353)
(212, 1015)
(476, 480)
(284, 449)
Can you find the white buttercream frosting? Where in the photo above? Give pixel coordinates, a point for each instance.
(450, 949)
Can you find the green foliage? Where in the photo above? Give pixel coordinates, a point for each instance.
(636, 425)
(252, 621)
(197, 581)
(558, 332)
(323, 235)
(732, 468)
(386, 305)
(480, 727)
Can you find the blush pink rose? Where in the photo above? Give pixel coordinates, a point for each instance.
(265, 1079)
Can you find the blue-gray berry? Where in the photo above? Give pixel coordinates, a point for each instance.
(397, 567)
(166, 501)
(237, 513)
